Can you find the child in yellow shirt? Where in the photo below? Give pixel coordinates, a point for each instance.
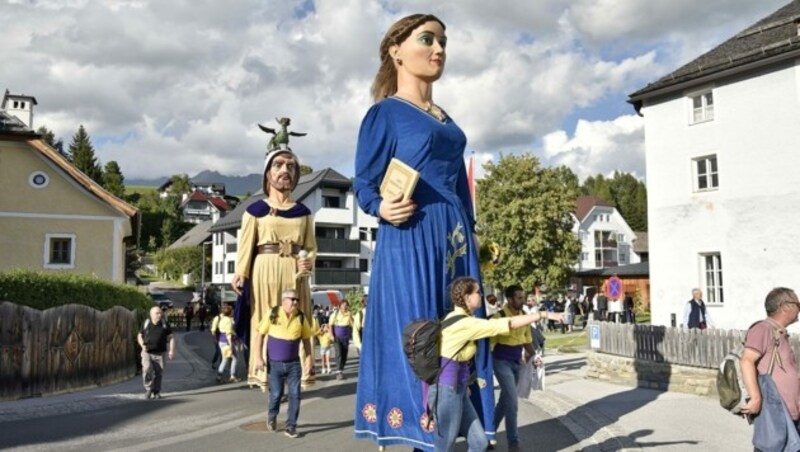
(325, 341)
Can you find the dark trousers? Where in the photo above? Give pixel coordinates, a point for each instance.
(284, 372)
(342, 344)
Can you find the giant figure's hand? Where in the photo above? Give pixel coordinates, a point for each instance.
(397, 211)
(237, 283)
(304, 264)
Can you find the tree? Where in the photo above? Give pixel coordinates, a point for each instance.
(113, 179)
(528, 211)
(180, 185)
(305, 169)
(50, 138)
(81, 154)
(625, 192)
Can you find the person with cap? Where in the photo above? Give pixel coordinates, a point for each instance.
(276, 244)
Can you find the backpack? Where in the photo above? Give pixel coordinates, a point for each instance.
(732, 391)
(422, 346)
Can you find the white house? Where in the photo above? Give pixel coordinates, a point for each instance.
(606, 239)
(722, 141)
(19, 106)
(345, 235)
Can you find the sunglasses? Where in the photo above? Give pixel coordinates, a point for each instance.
(292, 298)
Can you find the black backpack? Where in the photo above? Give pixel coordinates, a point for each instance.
(422, 346)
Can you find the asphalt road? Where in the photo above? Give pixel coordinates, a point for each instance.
(222, 417)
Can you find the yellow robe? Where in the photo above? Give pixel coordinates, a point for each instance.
(273, 273)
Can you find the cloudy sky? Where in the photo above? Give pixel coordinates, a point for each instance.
(178, 86)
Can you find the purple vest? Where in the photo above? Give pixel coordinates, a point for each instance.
(507, 352)
(283, 350)
(454, 372)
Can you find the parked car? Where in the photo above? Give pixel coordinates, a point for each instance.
(161, 300)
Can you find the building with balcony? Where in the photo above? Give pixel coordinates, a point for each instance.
(345, 235)
(606, 239)
(199, 206)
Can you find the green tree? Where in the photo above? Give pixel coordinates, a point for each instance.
(81, 154)
(113, 179)
(180, 185)
(305, 169)
(50, 138)
(528, 211)
(627, 193)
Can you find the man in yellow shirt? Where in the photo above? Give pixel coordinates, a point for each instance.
(342, 328)
(507, 358)
(285, 328)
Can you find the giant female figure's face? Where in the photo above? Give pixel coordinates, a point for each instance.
(422, 54)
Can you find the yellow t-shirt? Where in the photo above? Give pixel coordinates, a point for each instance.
(325, 339)
(468, 330)
(342, 318)
(517, 336)
(286, 327)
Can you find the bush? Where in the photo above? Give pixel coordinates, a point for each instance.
(42, 291)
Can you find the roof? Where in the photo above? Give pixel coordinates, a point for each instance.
(584, 205)
(305, 186)
(10, 124)
(640, 269)
(198, 195)
(640, 244)
(771, 39)
(193, 237)
(16, 96)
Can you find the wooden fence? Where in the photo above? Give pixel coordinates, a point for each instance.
(64, 349)
(687, 347)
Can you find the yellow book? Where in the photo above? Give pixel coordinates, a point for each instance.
(399, 179)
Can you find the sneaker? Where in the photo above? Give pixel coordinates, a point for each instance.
(156, 395)
(272, 425)
(234, 380)
(339, 376)
(148, 395)
(291, 432)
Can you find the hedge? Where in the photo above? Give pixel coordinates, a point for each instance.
(41, 290)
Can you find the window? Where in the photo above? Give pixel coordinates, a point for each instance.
(330, 233)
(331, 201)
(620, 237)
(59, 251)
(712, 277)
(374, 234)
(707, 176)
(363, 265)
(16, 104)
(322, 263)
(702, 107)
(363, 234)
(231, 267)
(584, 257)
(622, 259)
(22, 105)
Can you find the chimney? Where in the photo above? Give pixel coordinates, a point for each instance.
(20, 106)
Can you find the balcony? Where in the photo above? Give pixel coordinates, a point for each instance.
(338, 246)
(337, 276)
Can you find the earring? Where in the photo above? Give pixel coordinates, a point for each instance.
(398, 61)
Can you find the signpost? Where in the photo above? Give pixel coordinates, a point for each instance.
(594, 335)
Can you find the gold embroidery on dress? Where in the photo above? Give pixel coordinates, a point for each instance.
(459, 248)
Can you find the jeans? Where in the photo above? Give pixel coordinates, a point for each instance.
(507, 374)
(152, 370)
(224, 361)
(455, 415)
(279, 372)
(342, 345)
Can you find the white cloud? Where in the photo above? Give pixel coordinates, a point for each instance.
(598, 147)
(178, 86)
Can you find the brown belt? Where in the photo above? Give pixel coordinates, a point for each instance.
(284, 249)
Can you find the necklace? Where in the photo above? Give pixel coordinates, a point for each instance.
(428, 107)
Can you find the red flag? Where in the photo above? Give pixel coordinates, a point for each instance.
(471, 181)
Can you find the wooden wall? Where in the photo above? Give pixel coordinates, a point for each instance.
(64, 349)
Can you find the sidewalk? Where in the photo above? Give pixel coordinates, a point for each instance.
(187, 371)
(606, 417)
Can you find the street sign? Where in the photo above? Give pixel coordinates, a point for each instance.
(594, 334)
(614, 287)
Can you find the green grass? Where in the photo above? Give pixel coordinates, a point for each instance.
(140, 189)
(577, 340)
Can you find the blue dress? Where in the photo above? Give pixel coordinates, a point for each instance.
(413, 266)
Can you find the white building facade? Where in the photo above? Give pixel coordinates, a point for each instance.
(722, 142)
(606, 239)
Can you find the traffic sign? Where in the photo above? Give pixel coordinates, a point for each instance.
(614, 287)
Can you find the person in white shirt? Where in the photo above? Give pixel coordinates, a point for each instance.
(695, 312)
(492, 305)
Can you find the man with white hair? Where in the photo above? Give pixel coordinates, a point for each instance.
(695, 312)
(286, 328)
(153, 338)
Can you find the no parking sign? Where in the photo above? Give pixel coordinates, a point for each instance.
(614, 287)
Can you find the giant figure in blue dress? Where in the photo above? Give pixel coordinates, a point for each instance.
(423, 243)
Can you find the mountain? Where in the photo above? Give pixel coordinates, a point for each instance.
(234, 185)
